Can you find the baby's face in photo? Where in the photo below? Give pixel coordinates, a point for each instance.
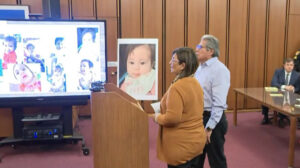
(58, 72)
(30, 49)
(87, 38)
(23, 74)
(139, 61)
(84, 67)
(8, 46)
(59, 45)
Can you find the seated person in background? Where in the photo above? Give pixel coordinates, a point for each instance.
(28, 82)
(297, 68)
(297, 61)
(10, 56)
(285, 79)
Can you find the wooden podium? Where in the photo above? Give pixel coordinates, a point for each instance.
(120, 130)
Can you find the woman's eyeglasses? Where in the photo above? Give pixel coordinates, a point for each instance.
(174, 60)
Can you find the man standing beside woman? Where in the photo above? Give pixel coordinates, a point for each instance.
(192, 119)
(214, 78)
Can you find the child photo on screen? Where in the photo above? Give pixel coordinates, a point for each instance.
(27, 80)
(87, 46)
(57, 56)
(59, 50)
(9, 56)
(58, 80)
(140, 76)
(32, 57)
(86, 74)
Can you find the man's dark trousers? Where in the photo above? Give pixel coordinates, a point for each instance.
(215, 149)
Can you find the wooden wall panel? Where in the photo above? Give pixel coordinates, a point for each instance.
(106, 8)
(196, 22)
(174, 33)
(8, 2)
(217, 23)
(256, 48)
(276, 38)
(293, 35)
(111, 75)
(237, 49)
(64, 9)
(130, 18)
(6, 122)
(112, 36)
(35, 6)
(83, 10)
(152, 28)
(294, 7)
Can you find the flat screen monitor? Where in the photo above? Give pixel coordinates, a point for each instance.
(40, 59)
(14, 12)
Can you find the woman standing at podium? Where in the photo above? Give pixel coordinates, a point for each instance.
(181, 137)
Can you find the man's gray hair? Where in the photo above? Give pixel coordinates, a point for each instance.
(212, 43)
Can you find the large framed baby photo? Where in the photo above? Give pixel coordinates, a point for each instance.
(138, 68)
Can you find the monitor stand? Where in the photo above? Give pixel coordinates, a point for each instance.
(67, 129)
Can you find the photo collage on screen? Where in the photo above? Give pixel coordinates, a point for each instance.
(49, 58)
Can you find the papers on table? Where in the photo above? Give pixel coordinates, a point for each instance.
(276, 95)
(156, 107)
(297, 105)
(271, 89)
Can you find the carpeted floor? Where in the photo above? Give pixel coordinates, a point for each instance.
(248, 145)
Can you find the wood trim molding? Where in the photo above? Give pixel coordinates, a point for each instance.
(207, 18)
(186, 22)
(142, 18)
(227, 33)
(164, 45)
(287, 18)
(266, 41)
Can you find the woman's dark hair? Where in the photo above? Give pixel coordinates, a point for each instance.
(187, 56)
(131, 47)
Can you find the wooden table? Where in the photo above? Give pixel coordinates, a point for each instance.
(278, 104)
